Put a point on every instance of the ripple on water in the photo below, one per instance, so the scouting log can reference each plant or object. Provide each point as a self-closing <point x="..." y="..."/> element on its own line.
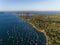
<point x="14" y="31"/>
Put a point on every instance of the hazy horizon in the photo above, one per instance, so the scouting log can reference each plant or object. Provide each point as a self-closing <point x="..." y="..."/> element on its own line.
<point x="29" y="5"/>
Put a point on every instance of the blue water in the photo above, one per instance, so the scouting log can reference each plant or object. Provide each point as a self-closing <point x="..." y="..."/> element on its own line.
<point x="14" y="31"/>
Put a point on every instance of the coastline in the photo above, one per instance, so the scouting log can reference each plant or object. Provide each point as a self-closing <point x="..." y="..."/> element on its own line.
<point x="48" y="25"/>
<point x="40" y="31"/>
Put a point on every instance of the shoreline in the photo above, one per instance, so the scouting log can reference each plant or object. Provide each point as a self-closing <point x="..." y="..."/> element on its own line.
<point x="40" y="31"/>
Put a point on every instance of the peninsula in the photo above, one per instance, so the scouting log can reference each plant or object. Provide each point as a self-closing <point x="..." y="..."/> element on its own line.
<point x="49" y="24"/>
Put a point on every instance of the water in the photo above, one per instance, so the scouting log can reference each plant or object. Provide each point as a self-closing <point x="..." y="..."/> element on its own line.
<point x="14" y="31"/>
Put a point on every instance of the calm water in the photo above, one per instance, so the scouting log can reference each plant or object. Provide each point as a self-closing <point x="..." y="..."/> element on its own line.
<point x="14" y="31"/>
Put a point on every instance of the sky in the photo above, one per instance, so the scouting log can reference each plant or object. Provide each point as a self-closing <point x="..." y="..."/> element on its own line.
<point x="29" y="5"/>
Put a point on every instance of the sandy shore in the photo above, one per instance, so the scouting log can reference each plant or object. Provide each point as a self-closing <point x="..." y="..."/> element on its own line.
<point x="43" y="31"/>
